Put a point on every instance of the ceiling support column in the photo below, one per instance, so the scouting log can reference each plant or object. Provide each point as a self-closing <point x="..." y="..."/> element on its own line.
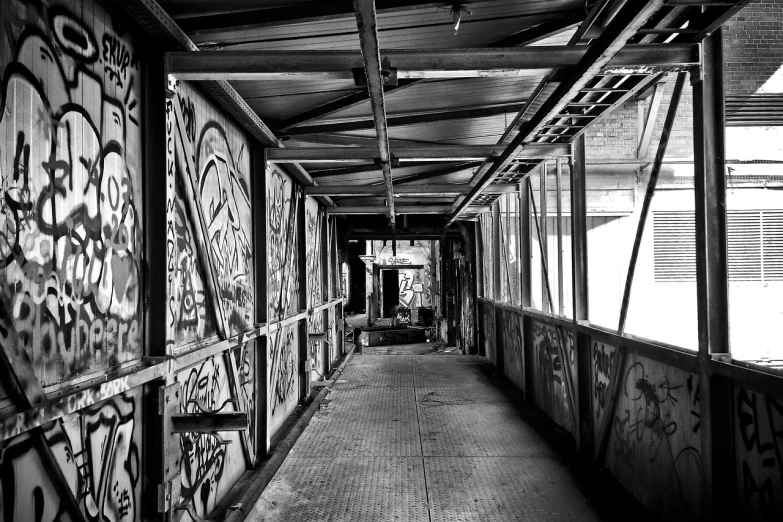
<point x="368" y="37"/>
<point x="717" y="455"/>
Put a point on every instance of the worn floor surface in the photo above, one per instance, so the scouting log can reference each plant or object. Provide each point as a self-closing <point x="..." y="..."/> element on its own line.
<point x="421" y="438"/>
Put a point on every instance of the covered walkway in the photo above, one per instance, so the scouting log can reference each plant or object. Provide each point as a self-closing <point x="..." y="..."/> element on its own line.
<point x="423" y="437"/>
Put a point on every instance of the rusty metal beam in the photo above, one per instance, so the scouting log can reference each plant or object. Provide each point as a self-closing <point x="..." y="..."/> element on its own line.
<point x="625" y="24"/>
<point x="368" y="38"/>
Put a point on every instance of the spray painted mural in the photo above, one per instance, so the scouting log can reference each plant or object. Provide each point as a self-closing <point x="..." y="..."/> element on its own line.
<point x="99" y="453"/>
<point x="283" y="288"/>
<point x="283" y="291"/>
<point x="210" y="466"/>
<point x="654" y="443"/>
<point x="759" y="447"/>
<point x="554" y="363"/>
<point x="209" y="220"/>
<point x="413" y="264"/>
<point x="315" y="281"/>
<point x="283" y="364"/>
<point x="511" y="329"/>
<point x="210" y="284"/>
<point x="70" y="179"/>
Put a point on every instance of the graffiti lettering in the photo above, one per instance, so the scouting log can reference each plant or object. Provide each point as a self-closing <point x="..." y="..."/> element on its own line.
<point x="98" y="452"/>
<point x="117" y="57"/>
<point x="603" y="359"/>
<point x="70" y="233"/>
<point x="760" y="426"/>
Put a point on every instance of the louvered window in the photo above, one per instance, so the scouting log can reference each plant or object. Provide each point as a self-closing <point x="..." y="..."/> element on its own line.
<point x="754" y="241"/>
<point x="674" y="245"/>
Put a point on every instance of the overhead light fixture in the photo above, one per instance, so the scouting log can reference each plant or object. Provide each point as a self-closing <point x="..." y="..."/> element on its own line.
<point x="456" y="14"/>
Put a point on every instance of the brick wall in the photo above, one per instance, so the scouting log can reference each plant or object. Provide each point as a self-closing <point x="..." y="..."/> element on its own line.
<point x="617" y="137"/>
<point x="753" y="53"/>
<point x="753" y="48"/>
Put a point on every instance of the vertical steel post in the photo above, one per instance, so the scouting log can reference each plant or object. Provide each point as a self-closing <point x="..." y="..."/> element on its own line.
<point x="524" y="243"/>
<point x="579" y="231"/>
<point x="261" y="258"/>
<point x="301" y="265"/>
<point x="559" y="225"/>
<point x="544" y="248"/>
<point x="718" y="464"/>
<point x="579" y="292"/>
<point x="155" y="284"/>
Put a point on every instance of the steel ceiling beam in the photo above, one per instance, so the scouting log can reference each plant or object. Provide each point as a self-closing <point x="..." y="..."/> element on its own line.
<point x="356" y="98"/>
<point x="410" y="209"/>
<point x="208" y="23"/>
<point x="624" y="25"/>
<point x="424" y="153"/>
<point x="406" y="190"/>
<point x="541" y="31"/>
<point x="151" y="16"/>
<point x="409" y="119"/>
<point x="413" y="64"/>
<point x="367" y="24"/>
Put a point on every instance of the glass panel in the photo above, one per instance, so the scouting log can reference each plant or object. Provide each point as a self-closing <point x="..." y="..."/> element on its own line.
<point x="663" y="299"/>
<point x="505" y="254"/>
<point x="754" y="202"/>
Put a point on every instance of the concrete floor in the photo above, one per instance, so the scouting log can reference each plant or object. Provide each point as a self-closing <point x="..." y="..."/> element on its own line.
<point x="421" y="438"/>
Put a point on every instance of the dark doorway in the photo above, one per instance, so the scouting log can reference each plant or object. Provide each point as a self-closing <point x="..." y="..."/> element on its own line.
<point x="391" y="290"/>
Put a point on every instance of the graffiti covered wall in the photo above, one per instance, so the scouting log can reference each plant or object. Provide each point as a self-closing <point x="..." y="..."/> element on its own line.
<point x="209" y="468"/>
<point x="283" y="288"/>
<point x="315" y="281"/>
<point x="415" y="283"/>
<point x="554" y="363"/>
<point x="283" y="364"/>
<point x="208" y="161"/>
<point x="210" y="283"/>
<point x="759" y="449"/>
<point x="283" y="200"/>
<point x="99" y="453"/>
<point x="70" y="248"/>
<point x="487" y="331"/>
<point x="513" y="346"/>
<point x="654" y="447"/>
<point x="70" y="188"/>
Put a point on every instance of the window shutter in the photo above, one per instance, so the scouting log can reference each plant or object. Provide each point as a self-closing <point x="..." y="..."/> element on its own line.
<point x="674" y="246"/>
<point x="754" y="243"/>
<point x="744" y="245"/>
<point x="773" y="245"/>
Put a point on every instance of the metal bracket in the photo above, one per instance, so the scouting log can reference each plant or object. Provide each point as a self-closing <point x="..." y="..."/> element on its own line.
<point x="319" y="337"/>
<point x="168" y="407"/>
<point x="209" y="422"/>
